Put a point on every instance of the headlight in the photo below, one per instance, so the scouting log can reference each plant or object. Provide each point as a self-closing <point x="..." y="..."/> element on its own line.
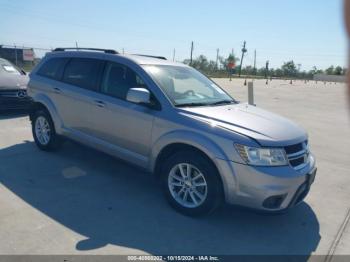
<point x="262" y="156"/>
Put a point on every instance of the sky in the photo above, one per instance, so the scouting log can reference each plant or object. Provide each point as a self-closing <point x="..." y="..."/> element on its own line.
<point x="309" y="32"/>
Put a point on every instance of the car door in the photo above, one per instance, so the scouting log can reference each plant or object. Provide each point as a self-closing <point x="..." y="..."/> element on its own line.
<point x="125" y="125"/>
<point x="75" y="94"/>
<point x="50" y="74"/>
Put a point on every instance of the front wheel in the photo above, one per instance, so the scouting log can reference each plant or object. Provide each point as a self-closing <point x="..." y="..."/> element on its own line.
<point x="191" y="183"/>
<point x="44" y="132"/>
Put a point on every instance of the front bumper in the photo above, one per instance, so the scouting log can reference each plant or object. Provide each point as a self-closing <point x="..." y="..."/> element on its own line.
<point x="14" y="99"/>
<point x="266" y="188"/>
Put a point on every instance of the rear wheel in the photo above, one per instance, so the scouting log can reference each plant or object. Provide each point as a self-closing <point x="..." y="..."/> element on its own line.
<point x="44" y="132"/>
<point x="191" y="183"/>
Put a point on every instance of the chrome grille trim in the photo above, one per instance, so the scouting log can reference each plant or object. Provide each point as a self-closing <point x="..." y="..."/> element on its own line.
<point x="297" y="155"/>
<point x="302" y="155"/>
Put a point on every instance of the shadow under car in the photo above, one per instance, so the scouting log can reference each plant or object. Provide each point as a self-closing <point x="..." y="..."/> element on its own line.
<point x="111" y="202"/>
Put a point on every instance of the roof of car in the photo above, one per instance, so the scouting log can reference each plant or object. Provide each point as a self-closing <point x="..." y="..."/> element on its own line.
<point x="138" y="59"/>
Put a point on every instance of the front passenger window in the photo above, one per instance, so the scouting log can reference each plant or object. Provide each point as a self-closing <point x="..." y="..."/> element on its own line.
<point x="118" y="79"/>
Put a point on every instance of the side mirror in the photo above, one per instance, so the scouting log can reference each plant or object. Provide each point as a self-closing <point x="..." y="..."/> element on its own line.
<point x="23" y="72"/>
<point x="139" y="96"/>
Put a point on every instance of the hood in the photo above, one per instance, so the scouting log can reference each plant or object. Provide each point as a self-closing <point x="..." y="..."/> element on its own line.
<point x="267" y="128"/>
<point x="12" y="81"/>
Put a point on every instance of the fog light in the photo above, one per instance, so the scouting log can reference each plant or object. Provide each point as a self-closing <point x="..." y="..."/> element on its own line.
<point x="274" y="201"/>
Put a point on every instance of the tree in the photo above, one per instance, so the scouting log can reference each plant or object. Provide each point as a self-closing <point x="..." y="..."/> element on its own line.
<point x="338" y="70"/>
<point x="261" y="71"/>
<point x="212" y="66"/>
<point x="231" y="58"/>
<point x="313" y="71"/>
<point x="330" y="70"/>
<point x="200" y="63"/>
<point x="248" y="70"/>
<point x="278" y="72"/>
<point x="289" y="68"/>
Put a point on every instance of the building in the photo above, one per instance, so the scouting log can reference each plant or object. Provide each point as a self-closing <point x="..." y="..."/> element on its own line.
<point x="21" y="57"/>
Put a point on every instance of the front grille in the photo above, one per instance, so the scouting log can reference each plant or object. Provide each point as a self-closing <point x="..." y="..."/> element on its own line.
<point x="293" y="148"/>
<point x="298" y="154"/>
<point x="297" y="161"/>
<point x="16" y="93"/>
<point x="9" y="93"/>
<point x="11" y="99"/>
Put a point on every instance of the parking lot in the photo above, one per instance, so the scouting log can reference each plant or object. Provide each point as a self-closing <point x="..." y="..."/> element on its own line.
<point x="80" y="201"/>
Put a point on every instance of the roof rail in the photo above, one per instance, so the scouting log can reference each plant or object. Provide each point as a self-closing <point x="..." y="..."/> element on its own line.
<point x="108" y="51"/>
<point x="152" y="56"/>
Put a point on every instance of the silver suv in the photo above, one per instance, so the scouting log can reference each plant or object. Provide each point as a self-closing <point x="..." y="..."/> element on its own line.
<point x="204" y="146"/>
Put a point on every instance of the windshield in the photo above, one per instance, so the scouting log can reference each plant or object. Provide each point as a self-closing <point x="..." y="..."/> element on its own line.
<point x="185" y="86"/>
<point x="10" y="69"/>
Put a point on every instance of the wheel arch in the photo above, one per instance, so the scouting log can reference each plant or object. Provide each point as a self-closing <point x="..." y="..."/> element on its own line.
<point x="170" y="149"/>
<point x="184" y="138"/>
<point x="42" y="101"/>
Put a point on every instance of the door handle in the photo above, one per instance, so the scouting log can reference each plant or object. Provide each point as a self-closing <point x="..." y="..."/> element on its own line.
<point x="99" y="103"/>
<point x="57" y="90"/>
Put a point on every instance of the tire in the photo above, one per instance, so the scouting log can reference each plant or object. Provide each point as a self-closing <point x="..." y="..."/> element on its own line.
<point x="41" y="120"/>
<point x="202" y="172"/>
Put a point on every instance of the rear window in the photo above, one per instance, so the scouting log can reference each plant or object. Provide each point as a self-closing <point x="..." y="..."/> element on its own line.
<point x="83" y="72"/>
<point x="53" y="68"/>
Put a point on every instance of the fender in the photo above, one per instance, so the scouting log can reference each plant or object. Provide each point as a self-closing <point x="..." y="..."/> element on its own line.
<point x="47" y="102"/>
<point x="203" y="143"/>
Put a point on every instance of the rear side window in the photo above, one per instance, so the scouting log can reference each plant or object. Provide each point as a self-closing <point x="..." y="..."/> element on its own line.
<point x="53" y="68"/>
<point x="83" y="72"/>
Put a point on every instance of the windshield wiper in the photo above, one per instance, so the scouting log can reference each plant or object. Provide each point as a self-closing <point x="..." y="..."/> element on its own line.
<point x="222" y="102"/>
<point x="192" y="104"/>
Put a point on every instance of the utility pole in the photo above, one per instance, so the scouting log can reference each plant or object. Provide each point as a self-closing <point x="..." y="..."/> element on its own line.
<point x="217" y="59"/>
<point x="243" y="51"/>
<point x="76" y="44"/>
<point x="16" y="54"/>
<point x="191" y="53"/>
<point x="123" y="51"/>
<point x="267" y="68"/>
<point x="255" y="62"/>
<point x="174" y="55"/>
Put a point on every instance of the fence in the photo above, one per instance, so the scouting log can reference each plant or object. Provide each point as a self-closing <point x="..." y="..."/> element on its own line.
<point x="330" y="78"/>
